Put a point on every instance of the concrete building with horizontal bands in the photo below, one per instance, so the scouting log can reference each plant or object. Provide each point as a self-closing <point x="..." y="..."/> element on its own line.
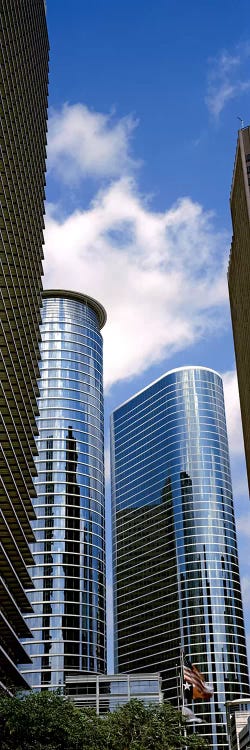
<point x="239" y="278"/>
<point x="244" y="737"/>
<point x="23" y="128"/>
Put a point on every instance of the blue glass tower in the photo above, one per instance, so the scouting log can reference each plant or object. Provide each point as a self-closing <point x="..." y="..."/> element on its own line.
<point x="68" y="624"/>
<point x="176" y="574"/>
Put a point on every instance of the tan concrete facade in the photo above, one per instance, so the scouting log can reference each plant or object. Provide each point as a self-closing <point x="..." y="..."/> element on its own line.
<point x="23" y="127"/>
<point x="239" y="278"/>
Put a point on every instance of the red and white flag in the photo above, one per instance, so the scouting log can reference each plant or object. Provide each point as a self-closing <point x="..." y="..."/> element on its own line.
<point x="201" y="690"/>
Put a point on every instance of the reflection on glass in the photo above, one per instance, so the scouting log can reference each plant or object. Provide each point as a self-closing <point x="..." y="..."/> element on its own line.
<point x="68" y="623"/>
<point x="145" y="583"/>
<point x="176" y="572"/>
<point x="71" y="558"/>
<point x="48" y="565"/>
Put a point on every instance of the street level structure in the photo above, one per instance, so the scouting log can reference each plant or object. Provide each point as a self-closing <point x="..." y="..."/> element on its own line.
<point x="244" y="736"/>
<point x="238" y="714"/>
<point x="105" y="693"/>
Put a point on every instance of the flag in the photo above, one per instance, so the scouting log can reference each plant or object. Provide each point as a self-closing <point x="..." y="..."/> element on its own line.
<point x="190" y="716"/>
<point x="194" y="684"/>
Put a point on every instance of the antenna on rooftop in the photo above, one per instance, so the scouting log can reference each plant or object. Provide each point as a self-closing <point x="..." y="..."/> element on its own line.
<point x="242" y="121"/>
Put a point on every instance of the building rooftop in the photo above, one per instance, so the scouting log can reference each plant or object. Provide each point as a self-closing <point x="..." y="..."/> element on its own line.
<point x="169" y="372"/>
<point x="78" y="297"/>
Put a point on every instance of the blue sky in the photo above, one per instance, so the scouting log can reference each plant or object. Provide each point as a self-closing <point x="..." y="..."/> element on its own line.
<point x="144" y="101"/>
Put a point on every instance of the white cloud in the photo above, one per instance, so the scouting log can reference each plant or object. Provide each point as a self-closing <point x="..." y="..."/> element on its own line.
<point x="228" y="77"/>
<point x="243" y="524"/>
<point x="107" y="463"/>
<point x="239" y="477"/>
<point x="248" y="646"/>
<point x="245" y="588"/>
<point x="83" y="143"/>
<point x="232" y="405"/>
<point x="161" y="276"/>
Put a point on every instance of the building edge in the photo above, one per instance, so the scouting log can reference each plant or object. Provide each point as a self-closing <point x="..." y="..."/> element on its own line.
<point x="165" y="375"/>
<point x="96" y="306"/>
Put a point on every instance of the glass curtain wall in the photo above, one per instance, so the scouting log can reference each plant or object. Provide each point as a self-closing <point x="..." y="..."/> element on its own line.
<point x="68" y="624"/>
<point x="176" y="574"/>
<point x="109" y="692"/>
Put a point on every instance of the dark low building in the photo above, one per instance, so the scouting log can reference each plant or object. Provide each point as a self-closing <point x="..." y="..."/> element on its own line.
<point x="244" y="736"/>
<point x="238" y="713"/>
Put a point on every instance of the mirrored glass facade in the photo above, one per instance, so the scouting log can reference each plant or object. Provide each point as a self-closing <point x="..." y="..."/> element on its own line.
<point x="176" y="574"/>
<point x="68" y="624"/>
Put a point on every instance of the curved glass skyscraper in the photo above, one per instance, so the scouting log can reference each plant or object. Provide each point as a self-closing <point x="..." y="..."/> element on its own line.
<point x="176" y="574"/>
<point x="68" y="624"/>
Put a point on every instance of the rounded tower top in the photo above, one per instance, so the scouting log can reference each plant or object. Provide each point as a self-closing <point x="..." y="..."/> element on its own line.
<point x="184" y="368"/>
<point x="78" y="297"/>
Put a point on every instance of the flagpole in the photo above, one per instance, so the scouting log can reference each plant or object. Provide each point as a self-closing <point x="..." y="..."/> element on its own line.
<point x="182" y="675"/>
<point x="177" y="685"/>
<point x="182" y="687"/>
